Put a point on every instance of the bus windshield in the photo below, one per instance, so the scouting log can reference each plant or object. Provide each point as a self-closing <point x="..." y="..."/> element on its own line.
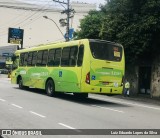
<point x="106" y="51"/>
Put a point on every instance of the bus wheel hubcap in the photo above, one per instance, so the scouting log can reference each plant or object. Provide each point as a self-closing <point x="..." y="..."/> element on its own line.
<point x="50" y="88"/>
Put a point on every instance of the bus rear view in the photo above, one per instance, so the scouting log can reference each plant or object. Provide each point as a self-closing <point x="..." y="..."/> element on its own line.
<point x="106" y="71"/>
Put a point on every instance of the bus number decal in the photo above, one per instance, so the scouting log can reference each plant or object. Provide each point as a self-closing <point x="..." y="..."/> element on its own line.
<point x="117" y="54"/>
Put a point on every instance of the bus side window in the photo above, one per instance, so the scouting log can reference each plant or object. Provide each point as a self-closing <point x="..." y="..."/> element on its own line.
<point x="39" y="58"/>
<point x="29" y="62"/>
<point x="21" y="62"/>
<point x="45" y="57"/>
<point x="80" y="56"/>
<point x="25" y="59"/>
<point x="34" y="59"/>
<point x="73" y="56"/>
<point x="65" y="56"/>
<point x="57" y="57"/>
<point x="51" y="57"/>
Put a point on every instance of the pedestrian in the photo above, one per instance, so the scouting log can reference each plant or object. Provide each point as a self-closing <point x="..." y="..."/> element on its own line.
<point x="126" y="88"/>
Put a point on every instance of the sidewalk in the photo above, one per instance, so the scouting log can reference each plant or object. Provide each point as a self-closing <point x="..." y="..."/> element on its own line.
<point x="4" y="77"/>
<point x="140" y="98"/>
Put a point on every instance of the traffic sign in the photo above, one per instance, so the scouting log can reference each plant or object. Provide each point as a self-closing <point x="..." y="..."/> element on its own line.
<point x="71" y="31"/>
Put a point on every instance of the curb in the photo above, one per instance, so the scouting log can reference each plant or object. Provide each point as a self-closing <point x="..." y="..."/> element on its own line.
<point x="141" y="98"/>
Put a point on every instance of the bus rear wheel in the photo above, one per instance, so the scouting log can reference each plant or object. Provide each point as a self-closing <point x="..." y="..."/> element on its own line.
<point x="50" y="88"/>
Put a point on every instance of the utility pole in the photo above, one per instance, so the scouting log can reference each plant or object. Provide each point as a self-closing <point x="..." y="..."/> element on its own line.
<point x="68" y="12"/>
<point x="68" y="16"/>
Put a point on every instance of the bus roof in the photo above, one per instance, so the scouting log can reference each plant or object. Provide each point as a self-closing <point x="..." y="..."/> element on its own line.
<point x="61" y="44"/>
<point x="105" y="41"/>
<point x="50" y="45"/>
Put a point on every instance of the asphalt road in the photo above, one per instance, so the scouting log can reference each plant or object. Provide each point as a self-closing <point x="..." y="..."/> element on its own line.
<point x="33" y="109"/>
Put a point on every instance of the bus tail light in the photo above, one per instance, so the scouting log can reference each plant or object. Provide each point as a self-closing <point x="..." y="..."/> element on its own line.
<point x="88" y="78"/>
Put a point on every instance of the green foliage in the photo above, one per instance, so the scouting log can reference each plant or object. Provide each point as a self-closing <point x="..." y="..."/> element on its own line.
<point x="133" y="23"/>
<point x="91" y="25"/>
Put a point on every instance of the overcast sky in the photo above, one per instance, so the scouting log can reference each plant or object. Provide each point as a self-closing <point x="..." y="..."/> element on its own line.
<point x="91" y="1"/>
<point x="97" y="2"/>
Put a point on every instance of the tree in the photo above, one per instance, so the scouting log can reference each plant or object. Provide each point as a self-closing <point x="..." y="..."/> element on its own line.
<point x="133" y="23"/>
<point x="90" y="26"/>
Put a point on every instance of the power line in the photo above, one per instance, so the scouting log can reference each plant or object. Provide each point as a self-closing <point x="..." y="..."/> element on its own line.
<point x="54" y="23"/>
<point x="43" y="9"/>
<point x="31" y="15"/>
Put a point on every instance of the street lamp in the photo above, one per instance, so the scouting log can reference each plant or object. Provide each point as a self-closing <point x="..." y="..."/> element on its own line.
<point x="46" y="17"/>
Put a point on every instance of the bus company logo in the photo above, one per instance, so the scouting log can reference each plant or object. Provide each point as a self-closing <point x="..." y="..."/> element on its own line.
<point x="35" y="74"/>
<point x="22" y="72"/>
<point x="6" y="132"/>
<point x="41" y="74"/>
<point x="116" y="73"/>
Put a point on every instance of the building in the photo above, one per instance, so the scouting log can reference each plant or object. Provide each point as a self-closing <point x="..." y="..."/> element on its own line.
<point x="38" y="30"/>
<point x="155" y="77"/>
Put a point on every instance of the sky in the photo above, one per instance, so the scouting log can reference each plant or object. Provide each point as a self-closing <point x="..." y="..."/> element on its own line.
<point x="91" y="1"/>
<point x="97" y="2"/>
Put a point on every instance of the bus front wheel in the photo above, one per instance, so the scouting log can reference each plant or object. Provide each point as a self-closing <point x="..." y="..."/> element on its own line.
<point x="20" y="82"/>
<point x="50" y="88"/>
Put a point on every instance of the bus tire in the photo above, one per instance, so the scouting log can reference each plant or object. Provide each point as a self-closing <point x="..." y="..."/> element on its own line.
<point x="50" y="88"/>
<point x="20" y="83"/>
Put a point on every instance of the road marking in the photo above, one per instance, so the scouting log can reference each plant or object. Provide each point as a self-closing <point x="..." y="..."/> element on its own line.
<point x="2" y="100"/>
<point x="107" y="108"/>
<point x="37" y="114"/>
<point x="140" y="105"/>
<point x="17" y="106"/>
<point x="66" y="126"/>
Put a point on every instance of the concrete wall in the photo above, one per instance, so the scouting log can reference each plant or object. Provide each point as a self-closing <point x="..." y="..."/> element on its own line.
<point x="132" y="76"/>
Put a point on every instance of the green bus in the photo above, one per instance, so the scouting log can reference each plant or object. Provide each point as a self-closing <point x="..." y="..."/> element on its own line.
<point x="79" y="67"/>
